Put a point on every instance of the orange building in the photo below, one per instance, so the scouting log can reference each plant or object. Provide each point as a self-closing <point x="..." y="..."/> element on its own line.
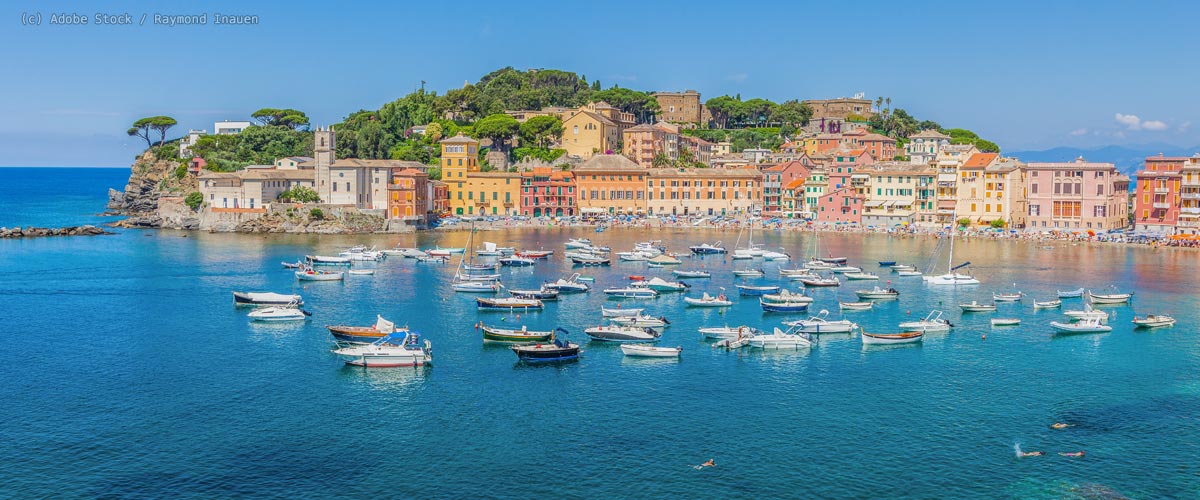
<point x="408" y="196"/>
<point x="611" y="184"/>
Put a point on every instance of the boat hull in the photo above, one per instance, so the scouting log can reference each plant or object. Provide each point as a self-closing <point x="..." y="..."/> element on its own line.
<point x="641" y="351"/>
<point x="265" y="299"/>
<point x="892" y="338"/>
<point x="501" y="335"/>
<point x="545" y="353"/>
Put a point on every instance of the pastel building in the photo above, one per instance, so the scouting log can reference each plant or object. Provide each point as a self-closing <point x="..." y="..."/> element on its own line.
<point x="703" y="191"/>
<point x="924" y="146"/>
<point x="1189" y="198"/>
<point x="1075" y="196"/>
<point x="349" y="181"/>
<point x="898" y="194"/>
<point x="460" y="157"/>
<point x="611" y="184"/>
<point x="1159" y="190"/>
<point x="408" y="197"/>
<point x="548" y="191"/>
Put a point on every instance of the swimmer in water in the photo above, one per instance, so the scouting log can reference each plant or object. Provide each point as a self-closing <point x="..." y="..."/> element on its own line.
<point x="1079" y="453"/>
<point x="1059" y="425"/>
<point x="709" y="463"/>
<point x="1033" y="453"/>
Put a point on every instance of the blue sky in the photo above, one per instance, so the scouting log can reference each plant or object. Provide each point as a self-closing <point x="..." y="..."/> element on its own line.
<point x="1029" y="75"/>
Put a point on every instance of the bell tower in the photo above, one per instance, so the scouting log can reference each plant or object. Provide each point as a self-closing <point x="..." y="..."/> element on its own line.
<point x="323" y="154"/>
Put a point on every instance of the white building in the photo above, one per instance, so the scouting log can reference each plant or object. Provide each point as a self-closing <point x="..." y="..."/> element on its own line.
<point x="351" y="181"/>
<point x="189" y="140"/>
<point x="230" y="127"/>
<point x="925" y="145"/>
<point x="250" y="190"/>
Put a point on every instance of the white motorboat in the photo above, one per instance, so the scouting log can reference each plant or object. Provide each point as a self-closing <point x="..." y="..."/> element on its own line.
<point x="1087" y="313"/>
<point x="475" y="286"/>
<point x="749" y="251"/>
<point x="308" y="273"/>
<point x="387" y="352"/>
<point x="749" y="273"/>
<point x="1050" y="304"/>
<point x="892" y="338"/>
<point x="362" y="254"/>
<point x="788" y="296"/>
<point x="1149" y="321"/>
<point x="614" y="333"/>
<point x="861" y="276"/>
<point x="630" y="292"/>
<point x="661" y="285"/>
<point x="412" y="253"/>
<point x="708" y="301"/>
<point x="272" y="314"/>
<point x="804" y="276"/>
<point x="508" y="304"/>
<point x="265" y="299"/>
<point x="777" y="256"/>
<point x="908" y="273"/>
<point x="821" y="282"/>
<point x="846" y="269"/>
<point x="785" y="272"/>
<point x="397" y="252"/>
<point x="1007" y="297"/>
<point x="1091" y="325"/>
<point x="707" y="249"/>
<point x="569" y="284"/>
<point x="578" y="243"/>
<point x="645" y="351"/>
<point x="477" y="277"/>
<point x="932" y="322"/>
<point x="903" y="267"/>
<point x="683" y="273"/>
<point x="822" y="324"/>
<point x="1111" y="298"/>
<point x="818" y="265"/>
<point x="1072" y="294"/>
<point x="633" y="256"/>
<point x="757" y="290"/>
<point x="779" y="339"/>
<point x="641" y="321"/>
<point x="620" y="313"/>
<point x="977" y="307"/>
<point x="855" y="306"/>
<point x="319" y="260"/>
<point x="728" y="332"/>
<point x="361" y="272"/>
<point x="489" y="250"/>
<point x="431" y="259"/>
<point x="878" y="293"/>
<point x="1005" y="321"/>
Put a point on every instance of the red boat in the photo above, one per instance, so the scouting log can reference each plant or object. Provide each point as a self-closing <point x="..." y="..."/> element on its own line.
<point x="636" y="277"/>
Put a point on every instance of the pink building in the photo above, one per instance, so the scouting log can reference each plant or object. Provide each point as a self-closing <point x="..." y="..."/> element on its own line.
<point x="843" y="205"/>
<point x="1076" y="196"/>
<point x="1159" y="190"/>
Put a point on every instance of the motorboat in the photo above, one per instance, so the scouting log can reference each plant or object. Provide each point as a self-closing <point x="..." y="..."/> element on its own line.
<point x="388" y="352"/>
<point x="557" y="350"/>
<point x="1006" y="321"/>
<point x="908" y="273"/>
<point x="515" y="261"/>
<point x="855" y="306"/>
<point x="476" y="277"/>
<point x="707" y="249"/>
<point x="475" y="286"/>
<point x="788" y="296"/>
<point x="977" y="307"/>
<point x="661" y="285"/>
<point x="749" y="273"/>
<point x="887" y="263"/>
<point x="785" y="272"/>
<point x="804" y="276"/>
<point x="632" y="257"/>
<point x="822" y="324"/>
<point x="578" y="243"/>
<point x="1149" y="321"/>
<point x="1007" y="297"/>
<point x="861" y="276"/>
<point x="1111" y="298"/>
<point x="279" y="314"/>
<point x="640" y="321"/>
<point x="684" y="273"/>
<point x="630" y="292"/>
<point x="654" y="265"/>
<point x="1072" y="294"/>
<point x="707" y="300"/>
<point x="489" y="250"/>
<point x="327" y="260"/>
<point x="361" y="272"/>
<point x="364" y="334"/>
<point x="932" y="322"/>
<point x="728" y="332"/>
<point x="1050" y="304"/>
<point x="846" y="269"/>
<point x="493" y="334"/>
<point x="878" y="293"/>
<point x="292" y="265"/>
<point x="310" y="274"/>
<point x="620" y="313"/>
<point x="665" y="260"/>
<point x="646" y="351"/>
<point x="265" y="299"/>
<point x="779" y="339"/>
<point x="432" y="259"/>
<point x="733" y="343"/>
<point x="397" y="252"/>
<point x="479" y="268"/>
<point x="615" y="333"/>
<point x="507" y="303"/>
<point x="1087" y="313"/>
<point x="778" y="256"/>
<point x="902" y="267"/>
<point x="534" y="254"/>
<point x="591" y="261"/>
<point x="892" y="338"/>
<point x="569" y="284"/>
<point x="412" y="253"/>
<point x="821" y="282"/>
<point x="1090" y="325"/>
<point x="542" y="294"/>
<point x="817" y="265"/>
<point x="757" y="290"/>
<point x="360" y="254"/>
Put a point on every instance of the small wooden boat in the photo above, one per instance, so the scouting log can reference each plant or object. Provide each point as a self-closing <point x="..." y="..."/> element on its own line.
<point x="1006" y="321"/>
<point x="822" y="324"/>
<point x="756" y="290"/>
<point x="265" y="299"/>
<point x="855" y="306"/>
<point x="1071" y="294"/>
<point x="388" y="352"/>
<point x="613" y="333"/>
<point x="645" y="351"/>
<point x="493" y="334"/>
<point x="364" y="334"/>
<point x="1111" y="298"/>
<point x="1092" y="325"/>
<point x="508" y="303"/>
<point x="559" y="349"/>
<point x="977" y="307"/>
<point x="630" y="292"/>
<point x="892" y="338"/>
<point x="861" y="276"/>
<point x="708" y="301"/>
<point x="821" y="282"/>
<point x="707" y="249"/>
<point x="279" y="314"/>
<point x="878" y="293"/>
<point x="1149" y="321"/>
<point x="361" y="272"/>
<point x="683" y="273"/>
<point x="327" y="260"/>
<point x="542" y="294"/>
<point x="310" y="274"/>
<point x="1050" y="304"/>
<point x="779" y="339"/>
<point x="932" y="322"/>
<point x="749" y="273"/>
<point x="1007" y="297"/>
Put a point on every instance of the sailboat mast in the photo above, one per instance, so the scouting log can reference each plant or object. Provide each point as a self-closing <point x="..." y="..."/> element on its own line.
<point x="950" y="263"/>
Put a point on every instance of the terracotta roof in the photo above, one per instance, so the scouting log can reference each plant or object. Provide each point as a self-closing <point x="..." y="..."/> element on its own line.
<point x="408" y="172"/>
<point x="642" y="128"/>
<point x="980" y="160"/>
<point x="796" y="183"/>
<point x="705" y="172"/>
<point x="608" y="162"/>
<point x="459" y="139"/>
<point x="877" y="137"/>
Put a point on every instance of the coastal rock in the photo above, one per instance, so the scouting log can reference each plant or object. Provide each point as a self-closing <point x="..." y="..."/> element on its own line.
<point x="116" y="199"/>
<point x="150" y="180"/>
<point x="38" y="232"/>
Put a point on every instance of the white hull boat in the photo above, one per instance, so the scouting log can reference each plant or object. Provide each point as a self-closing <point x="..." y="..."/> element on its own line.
<point x="932" y="322"/>
<point x="661" y="285"/>
<point x="475" y="287"/>
<point x="855" y="306"/>
<point x="1007" y="297"/>
<point x="1073" y="294"/>
<point x="265" y="299"/>
<point x="1084" y="326"/>
<point x="909" y="273"/>
<point x="728" y="332"/>
<point x="388" y="352"/>
<point x="691" y="274"/>
<point x="327" y="260"/>
<point x="621" y="334"/>
<point x="1153" y="321"/>
<point x="892" y="338"/>
<point x="1112" y="298"/>
<point x="631" y="293"/>
<point x="821" y="324"/>
<point x="781" y="340"/>
<point x="977" y="307"/>
<point x="708" y="301"/>
<point x="645" y="351"/>
<point x="656" y="324"/>
<point x="314" y="275"/>
<point x="821" y="282"/>
<point x="861" y="276"/>
<point x="1051" y="304"/>
<point x="620" y="313"/>
<point x="749" y="273"/>
<point x="951" y="279"/>
<point x="1006" y="321"/>
<point x="273" y="314"/>
<point x="878" y="293"/>
<point x="361" y="272"/>
<point x="846" y="269"/>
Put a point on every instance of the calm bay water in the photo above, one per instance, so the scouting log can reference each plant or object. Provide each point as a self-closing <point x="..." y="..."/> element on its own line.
<point x="127" y="372"/>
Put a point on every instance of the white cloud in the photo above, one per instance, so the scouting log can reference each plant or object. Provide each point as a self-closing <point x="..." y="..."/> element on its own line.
<point x="1078" y="132"/>
<point x="1154" y="125"/>
<point x="1132" y="122"/>
<point x="1183" y="127"/>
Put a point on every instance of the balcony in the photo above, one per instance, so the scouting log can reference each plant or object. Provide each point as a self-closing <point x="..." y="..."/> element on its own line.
<point x="1190" y="196"/>
<point x="1161" y="190"/>
<point x="1163" y="206"/>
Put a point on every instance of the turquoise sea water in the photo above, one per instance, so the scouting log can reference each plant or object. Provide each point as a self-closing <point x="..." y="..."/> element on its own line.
<point x="127" y="372"/>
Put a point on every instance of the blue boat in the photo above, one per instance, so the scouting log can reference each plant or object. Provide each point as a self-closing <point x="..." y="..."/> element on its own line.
<point x="886" y="263"/>
<point x="783" y="306"/>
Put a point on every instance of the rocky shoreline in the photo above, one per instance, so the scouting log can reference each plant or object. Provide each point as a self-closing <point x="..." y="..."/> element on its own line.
<point x="41" y="232"/>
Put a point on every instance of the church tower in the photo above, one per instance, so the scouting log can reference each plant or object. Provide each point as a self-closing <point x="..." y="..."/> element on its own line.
<point x="323" y="154"/>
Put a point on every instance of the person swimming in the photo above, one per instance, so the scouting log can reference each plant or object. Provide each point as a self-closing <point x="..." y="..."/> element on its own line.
<point x="1079" y="453"/>
<point x="1032" y="453"/>
<point x="1059" y="425"/>
<point x="710" y="463"/>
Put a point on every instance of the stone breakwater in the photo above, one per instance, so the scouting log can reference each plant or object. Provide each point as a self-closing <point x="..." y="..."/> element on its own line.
<point x="39" y="232"/>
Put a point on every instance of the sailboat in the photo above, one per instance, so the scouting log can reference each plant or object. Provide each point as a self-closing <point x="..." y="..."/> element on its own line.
<point x="463" y="282"/>
<point x="751" y="250"/>
<point x="952" y="278"/>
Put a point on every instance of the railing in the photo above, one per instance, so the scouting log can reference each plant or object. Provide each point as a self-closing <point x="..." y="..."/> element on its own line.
<point x="1161" y="190"/>
<point x="1190" y="196"/>
<point x="1162" y="205"/>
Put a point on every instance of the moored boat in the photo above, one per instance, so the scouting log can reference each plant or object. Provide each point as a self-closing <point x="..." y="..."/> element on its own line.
<point x="932" y="322"/>
<point x="559" y="349"/>
<point x="1007" y="297"/>
<point x="646" y="351"/>
<point x="279" y="314"/>
<point x="707" y="249"/>
<point x="569" y="284"/>
<point x="683" y="273"/>
<point x="614" y="333"/>
<point x="631" y="292"/>
<point x="265" y="299"/>
<point x="757" y="290"/>
<point x="591" y="261"/>
<point x="1006" y="321"/>
<point x="1110" y="298"/>
<point x="977" y="307"/>
<point x="327" y="260"/>
<point x="1071" y="294"/>
<point x="779" y="339"/>
<point x="728" y="332"/>
<point x="1050" y="304"/>
<point x="493" y="334"/>
<point x="878" y="293"/>
<point x="821" y="282"/>
<point x="887" y="263"/>
<point x="515" y="261"/>
<point x="508" y="303"/>
<point x="308" y="273"/>
<point x="475" y="286"/>
<point x="861" y="276"/>
<point x="1090" y="325"/>
<point x="822" y="324"/>
<point x="361" y="272"/>
<point x="749" y="273"/>
<point x="640" y="321"/>
<point x="364" y="334"/>
<point x="620" y="313"/>
<point x="892" y="338"/>
<point x="707" y="300"/>
<point x="1153" y="321"/>
<point x="855" y="306"/>
<point x="660" y="285"/>
<point x="388" y="352"/>
<point x="542" y="294"/>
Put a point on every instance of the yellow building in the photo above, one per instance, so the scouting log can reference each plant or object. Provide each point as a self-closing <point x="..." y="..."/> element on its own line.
<point x="587" y="132"/>
<point x="460" y="156"/>
<point x="991" y="188"/>
<point x="492" y="193"/>
<point x="809" y="144"/>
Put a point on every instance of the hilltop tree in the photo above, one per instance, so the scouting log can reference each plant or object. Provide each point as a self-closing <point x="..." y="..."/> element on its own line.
<point x="723" y="109"/>
<point x="541" y="131"/>
<point x="499" y="128"/>
<point x="144" y="126"/>
<point x="289" y="118"/>
<point x="791" y="112"/>
<point x="643" y="105"/>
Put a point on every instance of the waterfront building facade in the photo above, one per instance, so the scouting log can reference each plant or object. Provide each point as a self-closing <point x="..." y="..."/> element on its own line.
<point x="408" y="197"/>
<point x="460" y="158"/>
<point x="1075" y="196"/>
<point x="548" y="191"/>
<point x="703" y="191"/>
<point x="1189" y="197"/>
<point x="611" y="184"/>
<point x="1159" y="190"/>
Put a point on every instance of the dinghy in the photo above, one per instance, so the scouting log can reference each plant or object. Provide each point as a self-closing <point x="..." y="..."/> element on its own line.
<point x="1006" y="321"/>
<point x="855" y="306"/>
<point x="278" y="314"/>
<point x="708" y="301"/>
<point x="892" y="338"/>
<point x="977" y="307"/>
<point x="361" y="272"/>
<point x="645" y="351"/>
<point x="1150" y="321"/>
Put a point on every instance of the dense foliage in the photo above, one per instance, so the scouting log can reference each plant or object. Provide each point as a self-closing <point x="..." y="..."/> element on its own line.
<point x="257" y="145"/>
<point x="300" y="194"/>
